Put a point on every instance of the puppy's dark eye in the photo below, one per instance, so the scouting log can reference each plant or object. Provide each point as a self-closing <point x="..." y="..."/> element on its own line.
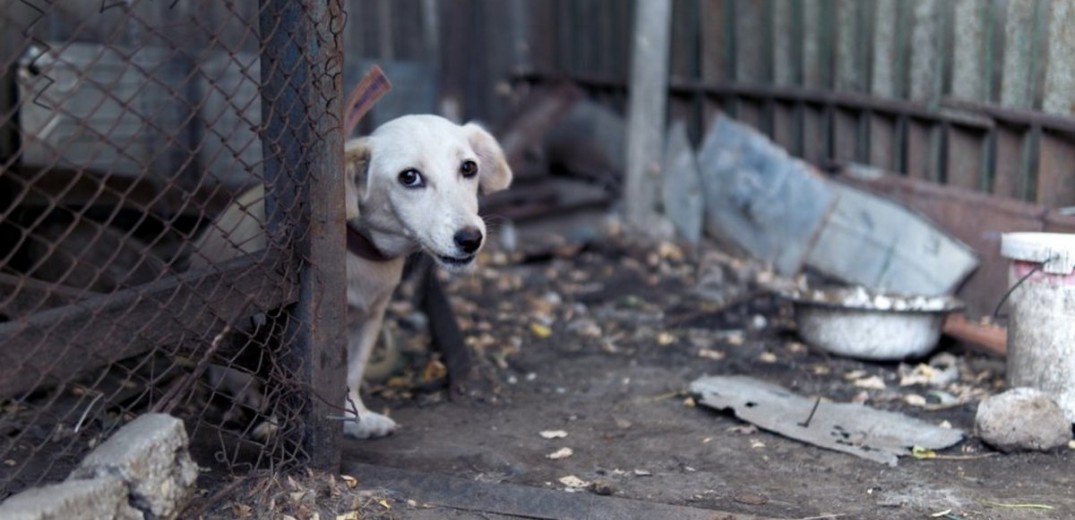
<point x="469" y="168"/>
<point x="411" y="178"/>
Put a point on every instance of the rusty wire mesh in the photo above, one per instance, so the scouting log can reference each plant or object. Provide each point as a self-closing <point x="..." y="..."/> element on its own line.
<point x="127" y="128"/>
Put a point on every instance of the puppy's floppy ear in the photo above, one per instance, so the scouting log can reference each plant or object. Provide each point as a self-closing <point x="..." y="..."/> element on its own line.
<point x="356" y="164"/>
<point x="494" y="174"/>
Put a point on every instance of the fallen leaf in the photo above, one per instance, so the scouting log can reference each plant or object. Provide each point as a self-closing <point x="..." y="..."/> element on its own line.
<point x="241" y="510"/>
<point x="914" y="400"/>
<point x="296" y="496"/>
<point x="541" y="331"/>
<point x="574" y="482"/>
<point x="767" y="357"/>
<point x="561" y="453"/>
<point x="384" y="503"/>
<point x="553" y="434"/>
<point x="715" y="355"/>
<point x="349" y="480"/>
<point x="665" y="338"/>
<point x="642" y="473"/>
<point x="353" y="515"/>
<point x="871" y="383"/>
<point x="921" y="453"/>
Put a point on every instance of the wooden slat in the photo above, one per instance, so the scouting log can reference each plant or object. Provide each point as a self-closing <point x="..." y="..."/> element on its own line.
<point x="924" y="140"/>
<point x="850" y="76"/>
<point x="751" y="59"/>
<point x="966" y="150"/>
<point x="785" y="69"/>
<point x="55" y="346"/>
<point x="1056" y="164"/>
<point x="715" y="52"/>
<point x="884" y="151"/>
<point x="815" y="75"/>
<point x="1015" y="146"/>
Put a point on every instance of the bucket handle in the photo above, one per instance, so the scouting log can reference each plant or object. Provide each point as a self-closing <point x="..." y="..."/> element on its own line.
<point x="1004" y="298"/>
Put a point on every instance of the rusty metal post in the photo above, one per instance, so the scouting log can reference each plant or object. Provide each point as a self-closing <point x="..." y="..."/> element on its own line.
<point x="301" y="74"/>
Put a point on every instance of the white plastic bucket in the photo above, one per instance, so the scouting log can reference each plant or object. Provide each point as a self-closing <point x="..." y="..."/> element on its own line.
<point x="1041" y="327"/>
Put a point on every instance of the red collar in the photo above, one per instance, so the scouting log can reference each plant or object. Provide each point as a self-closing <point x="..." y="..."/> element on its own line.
<point x="359" y="245"/>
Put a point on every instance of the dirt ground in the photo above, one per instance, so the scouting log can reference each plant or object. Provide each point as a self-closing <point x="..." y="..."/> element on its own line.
<point x="600" y="342"/>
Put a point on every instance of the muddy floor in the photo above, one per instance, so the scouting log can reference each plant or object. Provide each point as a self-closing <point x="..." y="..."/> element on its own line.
<point x="595" y="345"/>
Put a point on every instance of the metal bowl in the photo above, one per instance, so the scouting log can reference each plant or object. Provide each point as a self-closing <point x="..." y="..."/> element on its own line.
<point x="863" y="324"/>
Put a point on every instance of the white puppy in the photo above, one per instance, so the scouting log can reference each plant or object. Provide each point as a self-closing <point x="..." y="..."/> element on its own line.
<point x="411" y="185"/>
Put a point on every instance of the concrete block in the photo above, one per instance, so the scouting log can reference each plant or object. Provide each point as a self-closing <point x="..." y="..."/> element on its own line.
<point x="99" y="498"/>
<point x="151" y="455"/>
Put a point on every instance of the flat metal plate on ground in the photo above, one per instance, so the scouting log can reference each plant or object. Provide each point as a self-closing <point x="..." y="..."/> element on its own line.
<point x="872" y="434"/>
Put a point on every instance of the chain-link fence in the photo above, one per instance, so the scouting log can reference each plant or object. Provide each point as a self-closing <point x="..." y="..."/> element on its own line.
<point x="127" y="129"/>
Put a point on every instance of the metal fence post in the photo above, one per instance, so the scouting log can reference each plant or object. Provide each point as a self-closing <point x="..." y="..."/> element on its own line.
<point x="301" y="78"/>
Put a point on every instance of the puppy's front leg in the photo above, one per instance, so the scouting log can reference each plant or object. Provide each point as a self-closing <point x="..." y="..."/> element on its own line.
<point x="361" y="337"/>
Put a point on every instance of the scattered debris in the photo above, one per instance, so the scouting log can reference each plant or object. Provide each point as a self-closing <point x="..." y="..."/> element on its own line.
<point x="872" y="434"/>
<point x="553" y="434"/>
<point x="573" y="482"/>
<point x="561" y="453"/>
<point x="1022" y="419"/>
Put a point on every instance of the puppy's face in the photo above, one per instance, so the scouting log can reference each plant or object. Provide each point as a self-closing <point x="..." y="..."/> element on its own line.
<point x="414" y="183"/>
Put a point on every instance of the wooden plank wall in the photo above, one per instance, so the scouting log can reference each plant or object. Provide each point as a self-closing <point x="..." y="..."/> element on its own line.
<point x="934" y="89"/>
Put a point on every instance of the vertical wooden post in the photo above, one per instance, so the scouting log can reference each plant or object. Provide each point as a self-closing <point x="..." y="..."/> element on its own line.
<point x="646" y="109"/>
<point x="301" y="75"/>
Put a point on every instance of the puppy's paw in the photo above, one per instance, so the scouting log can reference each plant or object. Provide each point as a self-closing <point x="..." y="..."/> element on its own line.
<point x="369" y="425"/>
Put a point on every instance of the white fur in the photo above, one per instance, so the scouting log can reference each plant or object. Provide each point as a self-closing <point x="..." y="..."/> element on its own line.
<point x="397" y="220"/>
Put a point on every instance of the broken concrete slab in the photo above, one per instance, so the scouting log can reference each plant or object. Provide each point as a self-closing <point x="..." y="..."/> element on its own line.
<point x="872" y="434"/>
<point x="104" y="497"/>
<point x="873" y="241"/>
<point x="760" y="198"/>
<point x="150" y="454"/>
<point x="682" y="184"/>
<point x="1022" y="419"/>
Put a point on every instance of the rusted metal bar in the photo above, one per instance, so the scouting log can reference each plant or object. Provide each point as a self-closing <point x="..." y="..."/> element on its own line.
<point x="302" y="90"/>
<point x="56" y="345"/>
<point x="970" y="114"/>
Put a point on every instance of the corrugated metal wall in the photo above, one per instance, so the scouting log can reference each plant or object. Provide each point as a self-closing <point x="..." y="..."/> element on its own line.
<point x="972" y="93"/>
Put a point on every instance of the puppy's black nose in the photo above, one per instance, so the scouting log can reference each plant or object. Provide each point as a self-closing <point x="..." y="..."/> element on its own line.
<point x="468" y="239"/>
